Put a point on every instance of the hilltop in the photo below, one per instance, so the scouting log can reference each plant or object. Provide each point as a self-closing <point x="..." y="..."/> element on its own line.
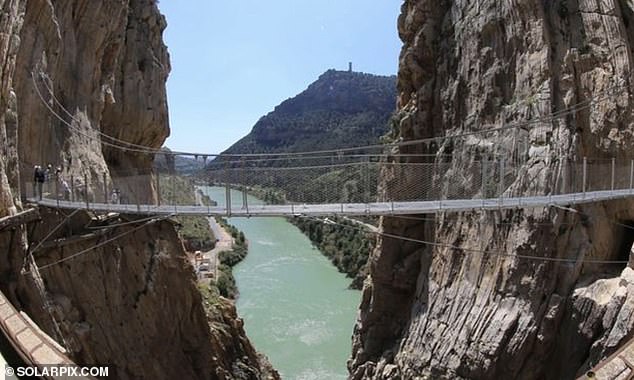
<point x="339" y="108"/>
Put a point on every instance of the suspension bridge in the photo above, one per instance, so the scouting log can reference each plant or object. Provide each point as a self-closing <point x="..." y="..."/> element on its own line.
<point x="502" y="166"/>
<point x="353" y="189"/>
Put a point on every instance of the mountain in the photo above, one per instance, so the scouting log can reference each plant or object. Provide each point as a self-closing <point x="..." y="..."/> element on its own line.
<point x="339" y="109"/>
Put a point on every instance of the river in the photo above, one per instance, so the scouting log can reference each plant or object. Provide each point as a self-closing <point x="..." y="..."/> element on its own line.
<point x="296" y="307"/>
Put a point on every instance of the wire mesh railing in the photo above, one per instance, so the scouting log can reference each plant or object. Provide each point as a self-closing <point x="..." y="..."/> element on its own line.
<point x="361" y="182"/>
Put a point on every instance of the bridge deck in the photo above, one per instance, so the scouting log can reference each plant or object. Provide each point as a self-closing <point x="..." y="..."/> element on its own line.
<point x="379" y="208"/>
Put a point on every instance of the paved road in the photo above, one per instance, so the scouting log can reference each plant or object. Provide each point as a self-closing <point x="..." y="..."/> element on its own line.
<point x="224" y="242"/>
<point x="367" y="226"/>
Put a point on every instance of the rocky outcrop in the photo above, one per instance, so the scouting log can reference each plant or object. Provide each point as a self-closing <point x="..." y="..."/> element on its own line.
<point x="470" y="308"/>
<point x="78" y="78"/>
<point x="92" y="79"/>
<point x="134" y="303"/>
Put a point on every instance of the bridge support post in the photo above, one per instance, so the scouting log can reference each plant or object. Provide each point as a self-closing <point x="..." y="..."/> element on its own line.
<point x="484" y="179"/>
<point x="631" y="174"/>
<point x="72" y="188"/>
<point x="501" y="179"/>
<point x="227" y="189"/>
<point x="86" y="191"/>
<point x="57" y="178"/>
<point x="245" y="205"/>
<point x="158" y="188"/>
<point x="105" y="188"/>
<point x="174" y="189"/>
<point x="228" y="198"/>
<point x="585" y="175"/>
<point x="613" y="171"/>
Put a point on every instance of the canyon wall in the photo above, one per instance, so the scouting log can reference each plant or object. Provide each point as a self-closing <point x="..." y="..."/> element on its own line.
<point x="78" y="78"/>
<point x="91" y="78"/>
<point x="469" y="307"/>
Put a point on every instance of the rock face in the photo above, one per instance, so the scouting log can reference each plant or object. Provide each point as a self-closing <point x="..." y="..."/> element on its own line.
<point x="450" y="313"/>
<point x="88" y="69"/>
<point x="134" y="303"/>
<point x="77" y="78"/>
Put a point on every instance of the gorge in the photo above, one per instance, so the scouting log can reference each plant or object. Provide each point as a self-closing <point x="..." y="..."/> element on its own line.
<point x="82" y="87"/>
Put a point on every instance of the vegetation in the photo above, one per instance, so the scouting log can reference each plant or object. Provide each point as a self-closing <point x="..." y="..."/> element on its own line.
<point x="226" y="283"/>
<point x="194" y="231"/>
<point x="344" y="243"/>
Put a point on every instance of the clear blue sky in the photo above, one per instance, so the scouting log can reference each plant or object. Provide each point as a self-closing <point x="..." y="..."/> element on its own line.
<point x="234" y="61"/>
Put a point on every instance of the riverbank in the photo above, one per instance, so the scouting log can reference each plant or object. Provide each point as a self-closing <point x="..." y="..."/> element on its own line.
<point x="227" y="259"/>
<point x="346" y="242"/>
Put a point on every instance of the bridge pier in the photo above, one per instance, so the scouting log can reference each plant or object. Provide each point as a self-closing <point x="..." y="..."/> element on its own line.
<point x="228" y="199"/>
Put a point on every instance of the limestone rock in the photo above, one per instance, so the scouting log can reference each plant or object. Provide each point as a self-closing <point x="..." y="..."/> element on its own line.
<point x="92" y="75"/>
<point x="134" y="304"/>
<point x="449" y="313"/>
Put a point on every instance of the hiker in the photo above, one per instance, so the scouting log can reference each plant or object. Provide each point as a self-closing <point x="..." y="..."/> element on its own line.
<point x="48" y="173"/>
<point x="114" y="197"/>
<point x="65" y="189"/>
<point x="38" y="181"/>
<point x="63" y="185"/>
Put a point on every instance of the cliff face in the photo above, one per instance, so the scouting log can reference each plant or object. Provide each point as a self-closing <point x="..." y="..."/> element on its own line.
<point x="86" y="68"/>
<point x="129" y="298"/>
<point x="134" y="303"/>
<point x="451" y="313"/>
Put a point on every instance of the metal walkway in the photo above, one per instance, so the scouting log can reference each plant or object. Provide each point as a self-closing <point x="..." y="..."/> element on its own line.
<point x="379" y="208"/>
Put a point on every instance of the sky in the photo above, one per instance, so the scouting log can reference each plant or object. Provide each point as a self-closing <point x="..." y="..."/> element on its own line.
<point x="234" y="61"/>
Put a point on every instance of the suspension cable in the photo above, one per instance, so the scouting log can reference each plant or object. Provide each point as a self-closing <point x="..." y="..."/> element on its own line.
<point x="473" y="250"/>
<point x="106" y="242"/>
<point x="607" y="94"/>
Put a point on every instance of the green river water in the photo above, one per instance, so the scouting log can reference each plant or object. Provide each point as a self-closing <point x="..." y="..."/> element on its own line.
<point x="296" y="307"/>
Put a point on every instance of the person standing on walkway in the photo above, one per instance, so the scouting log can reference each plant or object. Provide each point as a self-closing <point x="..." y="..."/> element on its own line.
<point x="63" y="185"/>
<point x="35" y="171"/>
<point x="114" y="197"/>
<point x="38" y="178"/>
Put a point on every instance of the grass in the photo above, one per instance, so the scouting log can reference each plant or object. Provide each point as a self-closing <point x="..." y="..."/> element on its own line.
<point x="194" y="231"/>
